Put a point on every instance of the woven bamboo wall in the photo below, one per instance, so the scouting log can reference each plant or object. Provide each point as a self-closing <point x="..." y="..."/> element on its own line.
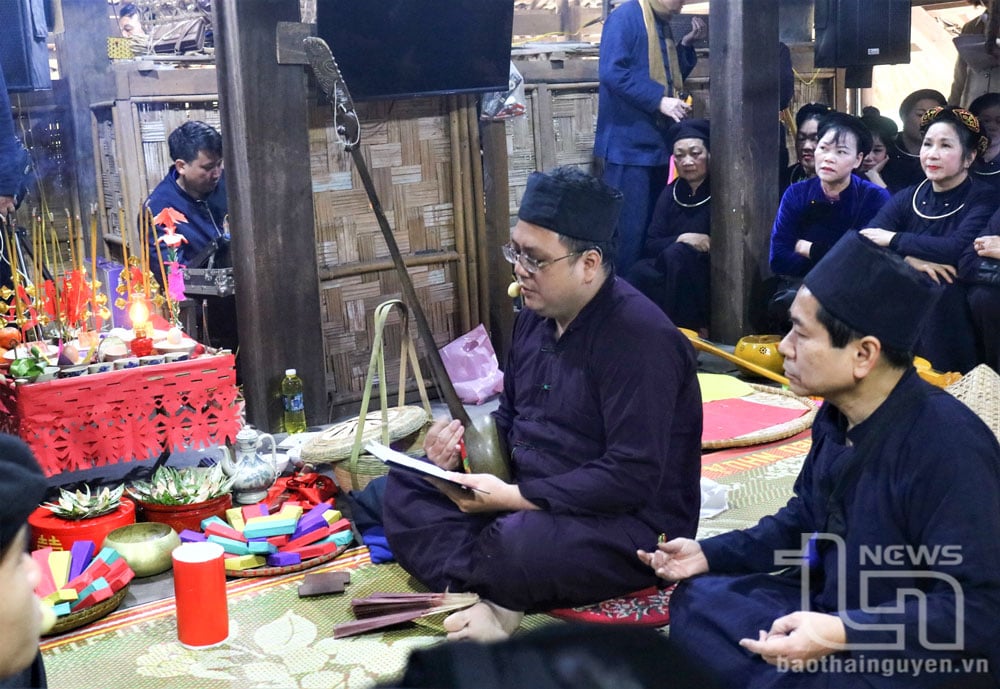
<point x="534" y="143"/>
<point x="409" y="150"/>
<point x="149" y="124"/>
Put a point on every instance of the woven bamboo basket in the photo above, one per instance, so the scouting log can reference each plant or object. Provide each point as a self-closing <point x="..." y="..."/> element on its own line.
<point x="979" y="390"/>
<point x="778" y="397"/>
<point x="402" y="426"/>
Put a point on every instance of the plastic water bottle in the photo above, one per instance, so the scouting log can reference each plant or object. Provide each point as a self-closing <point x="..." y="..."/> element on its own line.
<point x="294" y="416"/>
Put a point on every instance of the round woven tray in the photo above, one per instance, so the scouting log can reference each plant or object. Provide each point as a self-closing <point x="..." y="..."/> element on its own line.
<point x="777" y="397"/>
<point x="979" y="390"/>
<point x="77" y="619"/>
<point x="336" y="442"/>
<point x="287" y="569"/>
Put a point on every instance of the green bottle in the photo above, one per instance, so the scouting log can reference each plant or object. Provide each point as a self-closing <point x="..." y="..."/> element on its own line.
<point x="294" y="416"/>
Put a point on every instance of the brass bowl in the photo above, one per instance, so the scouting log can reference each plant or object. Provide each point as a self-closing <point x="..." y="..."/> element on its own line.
<point x="145" y="546"/>
<point x="761" y="350"/>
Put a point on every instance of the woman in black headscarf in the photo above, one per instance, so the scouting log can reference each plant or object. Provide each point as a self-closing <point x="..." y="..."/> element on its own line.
<point x="674" y="268"/>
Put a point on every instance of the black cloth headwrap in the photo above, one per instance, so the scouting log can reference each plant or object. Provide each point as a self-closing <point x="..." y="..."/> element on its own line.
<point x="691" y="129"/>
<point x="22" y="487"/>
<point x="581" y="211"/>
<point x="873" y="291"/>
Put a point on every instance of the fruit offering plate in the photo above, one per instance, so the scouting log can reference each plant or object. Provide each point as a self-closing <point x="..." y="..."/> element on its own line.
<point x="287" y="569"/>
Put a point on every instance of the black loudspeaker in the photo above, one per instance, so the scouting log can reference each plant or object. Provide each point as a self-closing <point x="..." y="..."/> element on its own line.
<point x="862" y="32"/>
<point x="24" y="55"/>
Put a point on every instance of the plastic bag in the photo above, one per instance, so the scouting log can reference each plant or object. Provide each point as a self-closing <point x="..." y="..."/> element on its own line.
<point x="503" y="105"/>
<point x="472" y="366"/>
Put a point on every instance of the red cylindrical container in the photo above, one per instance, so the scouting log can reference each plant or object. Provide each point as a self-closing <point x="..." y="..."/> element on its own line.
<point x="48" y="530"/>
<point x="200" y="592"/>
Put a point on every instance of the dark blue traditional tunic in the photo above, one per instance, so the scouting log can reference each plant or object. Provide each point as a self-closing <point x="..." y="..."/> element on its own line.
<point x="604" y="427"/>
<point x="981" y="276"/>
<point x="921" y="517"/>
<point x="952" y="219"/>
<point x="673" y="274"/>
<point x="806" y="213"/>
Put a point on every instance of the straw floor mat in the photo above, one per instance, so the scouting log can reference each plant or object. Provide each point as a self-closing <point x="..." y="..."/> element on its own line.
<point x="277" y="640"/>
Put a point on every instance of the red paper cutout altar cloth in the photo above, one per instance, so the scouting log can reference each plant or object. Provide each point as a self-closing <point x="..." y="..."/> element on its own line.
<point x="121" y="416"/>
<point x="732" y="418"/>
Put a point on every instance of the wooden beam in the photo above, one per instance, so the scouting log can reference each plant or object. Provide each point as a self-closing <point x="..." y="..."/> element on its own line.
<point x="266" y="139"/>
<point x="744" y="111"/>
<point x="85" y="66"/>
<point x="497" y="193"/>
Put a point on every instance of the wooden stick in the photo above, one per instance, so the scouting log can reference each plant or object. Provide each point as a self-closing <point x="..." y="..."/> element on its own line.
<point x="706" y="346"/>
<point x="479" y="220"/>
<point x="458" y="216"/>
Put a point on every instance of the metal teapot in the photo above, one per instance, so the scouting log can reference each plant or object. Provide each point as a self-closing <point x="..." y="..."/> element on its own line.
<point x="254" y="472"/>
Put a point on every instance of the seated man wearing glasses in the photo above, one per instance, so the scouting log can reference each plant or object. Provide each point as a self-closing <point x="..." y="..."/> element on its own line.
<point x="602" y="413"/>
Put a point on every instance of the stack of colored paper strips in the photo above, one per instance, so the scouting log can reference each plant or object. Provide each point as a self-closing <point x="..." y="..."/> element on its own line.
<point x="386" y="609"/>
<point x="252" y="537"/>
<point x="74" y="580"/>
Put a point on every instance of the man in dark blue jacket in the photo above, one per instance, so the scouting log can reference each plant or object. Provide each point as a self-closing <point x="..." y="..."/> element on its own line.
<point x="194" y="186"/>
<point x="892" y="530"/>
<point x="641" y="76"/>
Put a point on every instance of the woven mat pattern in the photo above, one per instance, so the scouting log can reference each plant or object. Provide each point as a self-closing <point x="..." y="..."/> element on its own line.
<point x="276" y="639"/>
<point x="979" y="389"/>
<point x="756" y="493"/>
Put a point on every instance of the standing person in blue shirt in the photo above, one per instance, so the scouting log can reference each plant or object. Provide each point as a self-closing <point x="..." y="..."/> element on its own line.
<point x="195" y="186"/>
<point x="10" y="172"/>
<point x="641" y="95"/>
<point x="815" y="213"/>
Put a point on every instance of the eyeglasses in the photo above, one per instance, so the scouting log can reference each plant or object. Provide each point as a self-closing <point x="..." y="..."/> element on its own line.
<point x="530" y="265"/>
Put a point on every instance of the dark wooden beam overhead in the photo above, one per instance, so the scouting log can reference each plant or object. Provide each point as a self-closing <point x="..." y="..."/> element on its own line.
<point x="266" y="138"/>
<point x="744" y="168"/>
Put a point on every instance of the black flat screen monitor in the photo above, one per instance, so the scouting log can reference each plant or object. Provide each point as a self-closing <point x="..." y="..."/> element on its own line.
<point x="398" y="48"/>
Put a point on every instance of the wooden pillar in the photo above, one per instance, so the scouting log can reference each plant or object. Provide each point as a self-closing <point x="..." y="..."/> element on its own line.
<point x="266" y="143"/>
<point x="744" y="115"/>
<point x="501" y="312"/>
<point x="85" y="67"/>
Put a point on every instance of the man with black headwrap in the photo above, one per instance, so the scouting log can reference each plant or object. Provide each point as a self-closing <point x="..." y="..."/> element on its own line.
<point x="601" y="410"/>
<point x="892" y="532"/>
<point x="22" y="487"/>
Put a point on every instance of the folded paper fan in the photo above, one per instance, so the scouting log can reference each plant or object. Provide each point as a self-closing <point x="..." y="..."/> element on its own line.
<point x="387" y="609"/>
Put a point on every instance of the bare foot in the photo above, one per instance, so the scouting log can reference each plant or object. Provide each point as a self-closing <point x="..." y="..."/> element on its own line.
<point x="484" y="621"/>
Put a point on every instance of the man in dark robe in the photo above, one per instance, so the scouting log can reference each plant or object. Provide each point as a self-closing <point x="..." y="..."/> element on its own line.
<point x="602" y="413"/>
<point x="893" y="526"/>
<point x="22" y="488"/>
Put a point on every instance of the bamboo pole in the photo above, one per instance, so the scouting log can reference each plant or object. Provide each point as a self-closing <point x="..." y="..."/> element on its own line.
<point x="468" y="208"/>
<point x="458" y="215"/>
<point x="486" y="262"/>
